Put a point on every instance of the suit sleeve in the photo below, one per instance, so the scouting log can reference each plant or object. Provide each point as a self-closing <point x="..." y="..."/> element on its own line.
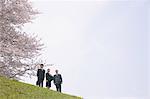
<point x="61" y="78"/>
<point x="44" y="73"/>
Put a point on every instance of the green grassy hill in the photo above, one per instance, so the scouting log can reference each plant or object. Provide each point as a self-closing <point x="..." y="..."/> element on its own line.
<point x="11" y="89"/>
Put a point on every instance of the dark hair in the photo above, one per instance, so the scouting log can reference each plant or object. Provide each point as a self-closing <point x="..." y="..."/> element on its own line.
<point x="42" y="64"/>
<point x="56" y="70"/>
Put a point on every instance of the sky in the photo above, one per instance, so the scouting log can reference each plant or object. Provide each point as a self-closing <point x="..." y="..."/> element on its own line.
<point x="99" y="46"/>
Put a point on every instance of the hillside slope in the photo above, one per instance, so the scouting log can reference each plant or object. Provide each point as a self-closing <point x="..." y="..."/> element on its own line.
<point x="11" y="89"/>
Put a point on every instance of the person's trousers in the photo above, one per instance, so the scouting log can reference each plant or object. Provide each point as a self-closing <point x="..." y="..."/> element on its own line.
<point x="39" y="83"/>
<point x="58" y="87"/>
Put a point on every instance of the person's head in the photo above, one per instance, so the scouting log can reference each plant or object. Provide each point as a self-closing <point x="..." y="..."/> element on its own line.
<point x="48" y="70"/>
<point x="56" y="71"/>
<point x="41" y="65"/>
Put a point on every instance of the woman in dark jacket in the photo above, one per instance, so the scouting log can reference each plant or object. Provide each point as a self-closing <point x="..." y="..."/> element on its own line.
<point x="49" y="78"/>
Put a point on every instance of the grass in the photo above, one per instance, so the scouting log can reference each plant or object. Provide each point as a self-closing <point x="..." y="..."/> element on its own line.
<point x="12" y="89"/>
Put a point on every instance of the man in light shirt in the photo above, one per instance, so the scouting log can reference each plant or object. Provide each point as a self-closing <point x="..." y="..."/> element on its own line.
<point x="58" y="81"/>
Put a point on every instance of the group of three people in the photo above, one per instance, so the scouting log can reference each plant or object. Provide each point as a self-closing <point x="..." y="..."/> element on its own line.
<point x="57" y="78"/>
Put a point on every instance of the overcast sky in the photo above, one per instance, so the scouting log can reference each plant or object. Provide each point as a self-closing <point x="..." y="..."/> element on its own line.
<point x="99" y="46"/>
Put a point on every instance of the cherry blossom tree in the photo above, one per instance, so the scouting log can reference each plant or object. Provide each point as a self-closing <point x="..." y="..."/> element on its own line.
<point x="18" y="49"/>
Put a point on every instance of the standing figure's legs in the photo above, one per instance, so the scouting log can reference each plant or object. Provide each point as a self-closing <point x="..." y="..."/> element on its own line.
<point x="41" y="83"/>
<point x="57" y="87"/>
<point x="38" y="82"/>
<point x="48" y="84"/>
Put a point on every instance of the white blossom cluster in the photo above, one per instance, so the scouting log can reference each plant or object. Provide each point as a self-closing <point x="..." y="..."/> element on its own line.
<point x="17" y="48"/>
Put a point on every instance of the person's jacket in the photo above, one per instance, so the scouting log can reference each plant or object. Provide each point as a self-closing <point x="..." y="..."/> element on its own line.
<point x="49" y="77"/>
<point x="57" y="79"/>
<point x="41" y="74"/>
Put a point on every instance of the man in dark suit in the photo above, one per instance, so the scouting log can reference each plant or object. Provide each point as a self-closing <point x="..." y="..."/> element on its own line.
<point x="40" y="76"/>
<point x="58" y="81"/>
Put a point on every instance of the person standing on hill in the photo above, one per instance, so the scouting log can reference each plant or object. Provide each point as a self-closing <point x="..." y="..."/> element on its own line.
<point x="49" y="78"/>
<point x="58" y="81"/>
<point x="40" y="76"/>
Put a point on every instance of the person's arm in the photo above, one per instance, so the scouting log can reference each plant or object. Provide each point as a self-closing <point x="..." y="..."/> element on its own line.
<point x="51" y="78"/>
<point x="44" y="73"/>
<point x="46" y="77"/>
<point x="61" y="78"/>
